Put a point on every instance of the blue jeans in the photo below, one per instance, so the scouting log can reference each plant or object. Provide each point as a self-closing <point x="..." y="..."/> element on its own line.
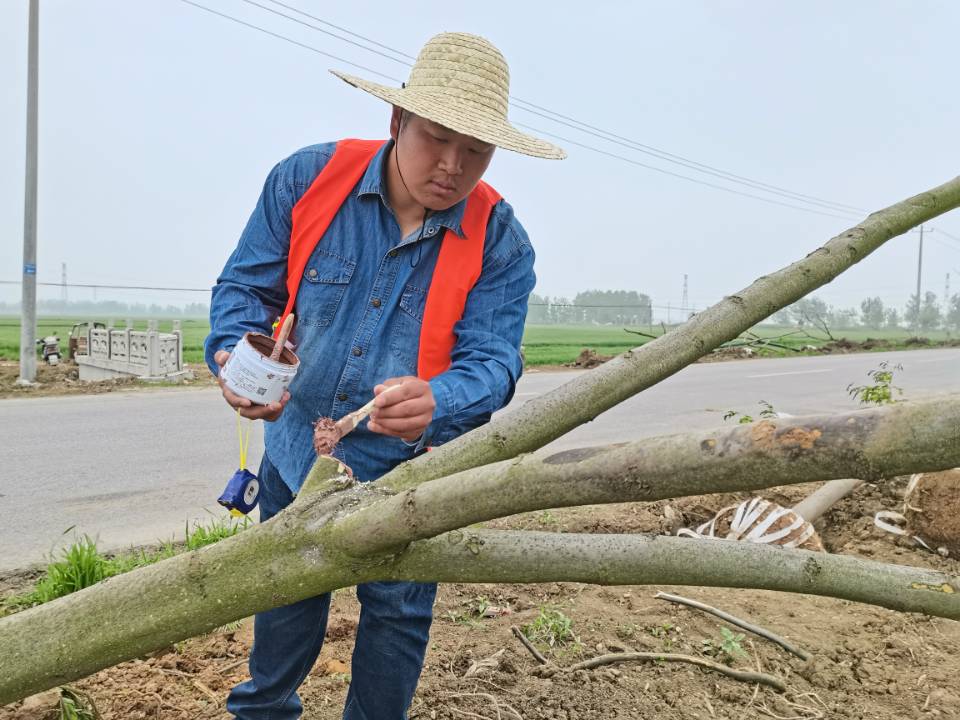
<point x="391" y="642"/>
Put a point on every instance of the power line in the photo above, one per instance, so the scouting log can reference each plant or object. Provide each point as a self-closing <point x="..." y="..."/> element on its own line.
<point x="590" y="129"/>
<point x="319" y="29"/>
<point x="944" y="232"/>
<point x="683" y="177"/>
<point x="289" y="40"/>
<point x="110" y="287"/>
<point x="597" y="132"/>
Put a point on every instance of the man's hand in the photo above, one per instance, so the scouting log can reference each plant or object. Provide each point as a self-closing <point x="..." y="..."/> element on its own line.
<point x="248" y="408"/>
<point x="404" y="412"/>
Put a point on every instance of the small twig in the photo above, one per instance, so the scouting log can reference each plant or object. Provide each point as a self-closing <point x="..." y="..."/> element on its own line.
<point x="486" y="696"/>
<point x="742" y="675"/>
<point x="179" y="673"/>
<point x="641" y="334"/>
<point x="207" y="691"/>
<point x="231" y="666"/>
<point x="528" y="645"/>
<point x="755" y="629"/>
<point x="164" y="703"/>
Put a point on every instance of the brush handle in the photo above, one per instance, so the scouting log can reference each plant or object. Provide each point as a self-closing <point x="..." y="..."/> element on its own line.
<point x="350" y="421"/>
<point x="282" y="337"/>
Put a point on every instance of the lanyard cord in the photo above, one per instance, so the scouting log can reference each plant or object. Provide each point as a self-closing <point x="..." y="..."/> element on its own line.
<point x="244" y="439"/>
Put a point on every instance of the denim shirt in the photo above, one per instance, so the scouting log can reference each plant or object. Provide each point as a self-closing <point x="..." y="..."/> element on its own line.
<point x="359" y="310"/>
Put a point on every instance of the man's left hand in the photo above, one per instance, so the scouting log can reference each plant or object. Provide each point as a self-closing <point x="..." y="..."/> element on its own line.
<point x="405" y="411"/>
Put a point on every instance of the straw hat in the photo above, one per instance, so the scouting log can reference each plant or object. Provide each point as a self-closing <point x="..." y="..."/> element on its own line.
<point x="462" y="82"/>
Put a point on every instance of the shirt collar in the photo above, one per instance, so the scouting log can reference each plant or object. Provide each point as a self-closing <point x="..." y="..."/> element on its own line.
<point x="373" y="183"/>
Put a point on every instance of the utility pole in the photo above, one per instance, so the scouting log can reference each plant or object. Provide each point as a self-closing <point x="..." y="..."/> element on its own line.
<point x="916" y="321"/>
<point x="685" y="298"/>
<point x="63" y="284"/>
<point x="28" y="301"/>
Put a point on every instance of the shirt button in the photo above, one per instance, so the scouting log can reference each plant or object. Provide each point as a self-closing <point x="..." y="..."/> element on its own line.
<point x="393" y="253"/>
<point x="357" y="352"/>
<point x="431" y="231"/>
<point x="375" y="302"/>
<point x="313" y="272"/>
<point x="342" y="397"/>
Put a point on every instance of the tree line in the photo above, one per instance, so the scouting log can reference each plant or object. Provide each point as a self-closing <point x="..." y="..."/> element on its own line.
<point x="621" y="307"/>
<point x="926" y="314"/>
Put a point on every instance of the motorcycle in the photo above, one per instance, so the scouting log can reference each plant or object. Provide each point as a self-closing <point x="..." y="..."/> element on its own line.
<point x="50" y="349"/>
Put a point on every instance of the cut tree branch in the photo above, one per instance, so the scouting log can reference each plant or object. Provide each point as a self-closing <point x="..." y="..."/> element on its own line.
<point x="295" y="555"/>
<point x="870" y="444"/>
<point x="579" y="401"/>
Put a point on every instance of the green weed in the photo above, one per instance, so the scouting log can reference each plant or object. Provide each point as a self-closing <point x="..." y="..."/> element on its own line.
<point x="551" y="628"/>
<point x="727" y="648"/>
<point x="82" y="564"/>
<point x="766" y="411"/>
<point x="471" y="615"/>
<point x="75" y="706"/>
<point x="217" y="529"/>
<point x="882" y="390"/>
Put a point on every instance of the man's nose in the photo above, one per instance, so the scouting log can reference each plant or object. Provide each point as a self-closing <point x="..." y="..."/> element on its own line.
<point x="451" y="160"/>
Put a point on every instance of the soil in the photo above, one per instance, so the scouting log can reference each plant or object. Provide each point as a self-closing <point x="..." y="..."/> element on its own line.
<point x="868" y="662"/>
<point x="932" y="510"/>
<point x="64" y="379"/>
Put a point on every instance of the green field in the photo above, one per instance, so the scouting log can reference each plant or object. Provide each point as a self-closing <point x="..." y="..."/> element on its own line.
<point x="543" y="344"/>
<point x="194" y="331"/>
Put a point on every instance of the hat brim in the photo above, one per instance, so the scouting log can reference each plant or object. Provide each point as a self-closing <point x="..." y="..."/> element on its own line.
<point x="460" y="116"/>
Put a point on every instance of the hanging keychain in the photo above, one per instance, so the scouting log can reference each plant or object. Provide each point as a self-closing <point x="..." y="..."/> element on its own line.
<point x="243" y="489"/>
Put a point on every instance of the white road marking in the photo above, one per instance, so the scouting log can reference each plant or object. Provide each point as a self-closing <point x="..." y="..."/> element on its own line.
<point x="795" y="372"/>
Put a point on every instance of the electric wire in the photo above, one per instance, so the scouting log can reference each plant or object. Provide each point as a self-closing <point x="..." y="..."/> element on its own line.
<point x="580" y="125"/>
<point x="289" y="40"/>
<point x="607" y="136"/>
<point x="684" y="177"/>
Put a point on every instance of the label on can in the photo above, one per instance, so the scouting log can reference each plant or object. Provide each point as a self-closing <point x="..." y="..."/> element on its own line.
<point x="250" y="372"/>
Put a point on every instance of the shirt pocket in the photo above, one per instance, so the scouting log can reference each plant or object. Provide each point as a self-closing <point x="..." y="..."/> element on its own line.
<point x="405" y="339"/>
<point x="325" y="280"/>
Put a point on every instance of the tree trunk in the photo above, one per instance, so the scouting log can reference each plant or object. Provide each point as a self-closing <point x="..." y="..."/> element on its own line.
<point x="581" y="400"/>
<point x="339" y="533"/>
<point x="301" y="552"/>
<point x="872" y="444"/>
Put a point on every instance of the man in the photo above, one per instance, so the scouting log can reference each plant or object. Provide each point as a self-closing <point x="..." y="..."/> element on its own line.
<point x="402" y="268"/>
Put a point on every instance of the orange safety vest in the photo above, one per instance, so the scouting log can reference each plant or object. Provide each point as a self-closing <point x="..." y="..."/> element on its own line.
<point x="458" y="265"/>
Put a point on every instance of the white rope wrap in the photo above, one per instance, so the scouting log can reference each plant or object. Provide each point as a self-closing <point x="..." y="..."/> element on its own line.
<point x="752" y="521"/>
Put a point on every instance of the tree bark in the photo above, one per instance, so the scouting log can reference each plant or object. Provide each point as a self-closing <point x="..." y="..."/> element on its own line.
<point x="312" y="547"/>
<point x="871" y="444"/>
<point x="581" y="400"/>
<point x="301" y="553"/>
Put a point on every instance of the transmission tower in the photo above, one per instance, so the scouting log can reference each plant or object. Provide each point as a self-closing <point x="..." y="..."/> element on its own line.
<point x="684" y="300"/>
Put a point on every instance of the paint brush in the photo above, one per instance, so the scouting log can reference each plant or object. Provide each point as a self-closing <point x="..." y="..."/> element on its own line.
<point x="282" y="337"/>
<point x="328" y="432"/>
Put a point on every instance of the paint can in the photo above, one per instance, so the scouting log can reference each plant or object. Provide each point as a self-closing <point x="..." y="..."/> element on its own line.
<point x="250" y="372"/>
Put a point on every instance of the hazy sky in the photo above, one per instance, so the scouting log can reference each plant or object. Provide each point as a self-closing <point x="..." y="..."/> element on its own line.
<point x="159" y="122"/>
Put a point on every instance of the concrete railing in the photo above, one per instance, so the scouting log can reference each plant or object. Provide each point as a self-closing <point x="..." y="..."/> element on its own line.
<point x="146" y="354"/>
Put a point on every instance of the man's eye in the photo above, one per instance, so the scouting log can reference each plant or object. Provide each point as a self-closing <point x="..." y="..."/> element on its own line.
<point x="439" y="139"/>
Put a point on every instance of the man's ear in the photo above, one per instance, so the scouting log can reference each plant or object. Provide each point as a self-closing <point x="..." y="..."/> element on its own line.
<point x="395" y="117"/>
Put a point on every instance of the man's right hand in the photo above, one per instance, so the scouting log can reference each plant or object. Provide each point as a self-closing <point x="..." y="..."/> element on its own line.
<point x="248" y="408"/>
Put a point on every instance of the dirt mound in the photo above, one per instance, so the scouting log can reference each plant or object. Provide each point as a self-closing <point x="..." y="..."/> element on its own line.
<point x="932" y="509"/>
<point x="588" y="358"/>
<point x="64" y="379"/>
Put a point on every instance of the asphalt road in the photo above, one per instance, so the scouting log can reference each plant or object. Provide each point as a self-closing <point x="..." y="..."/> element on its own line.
<point x="134" y="468"/>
